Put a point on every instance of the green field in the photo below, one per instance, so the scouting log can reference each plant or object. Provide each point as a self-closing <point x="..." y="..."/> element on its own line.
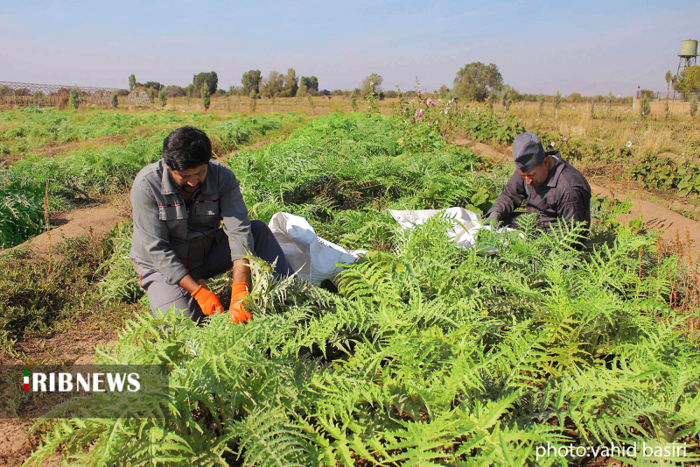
<point x="421" y="353"/>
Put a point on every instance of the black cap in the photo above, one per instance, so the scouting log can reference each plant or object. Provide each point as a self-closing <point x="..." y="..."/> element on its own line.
<point x="528" y="152"/>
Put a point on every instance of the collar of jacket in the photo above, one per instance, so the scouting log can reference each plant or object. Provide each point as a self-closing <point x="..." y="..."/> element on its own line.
<point x="167" y="186"/>
<point x="555" y="173"/>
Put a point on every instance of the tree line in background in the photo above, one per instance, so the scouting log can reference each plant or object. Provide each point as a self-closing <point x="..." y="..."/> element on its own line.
<point x="474" y="82"/>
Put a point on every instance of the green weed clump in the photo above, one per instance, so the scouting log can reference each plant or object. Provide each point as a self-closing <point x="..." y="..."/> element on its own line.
<point x="21" y="214"/>
<point x="120" y="282"/>
<point x="663" y="173"/>
<point x="586" y="151"/>
<point x="37" y="294"/>
<point x="484" y="125"/>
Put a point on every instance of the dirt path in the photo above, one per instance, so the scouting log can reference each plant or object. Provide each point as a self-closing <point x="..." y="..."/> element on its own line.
<point x="97" y="220"/>
<point x="654" y="216"/>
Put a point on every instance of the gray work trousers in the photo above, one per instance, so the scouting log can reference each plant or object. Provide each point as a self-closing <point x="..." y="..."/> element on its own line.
<point x="162" y="296"/>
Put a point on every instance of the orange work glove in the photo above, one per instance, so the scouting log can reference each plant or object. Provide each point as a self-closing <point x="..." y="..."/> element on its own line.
<point x="207" y="300"/>
<point x="239" y="291"/>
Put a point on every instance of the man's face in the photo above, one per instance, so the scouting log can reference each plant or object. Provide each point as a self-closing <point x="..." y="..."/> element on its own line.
<point x="538" y="175"/>
<point x="191" y="179"/>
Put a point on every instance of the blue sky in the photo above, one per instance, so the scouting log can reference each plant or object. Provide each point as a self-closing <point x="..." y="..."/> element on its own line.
<point x="539" y="46"/>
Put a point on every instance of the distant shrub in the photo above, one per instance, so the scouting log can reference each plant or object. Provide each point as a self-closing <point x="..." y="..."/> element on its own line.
<point x="176" y="91"/>
<point x="644" y="106"/>
<point x="74" y="100"/>
<point x="114" y="100"/>
<point x="206" y="96"/>
<point x="163" y="97"/>
<point x="253" y="100"/>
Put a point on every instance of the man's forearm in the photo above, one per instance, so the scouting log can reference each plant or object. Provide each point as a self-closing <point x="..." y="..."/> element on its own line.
<point x="241" y="272"/>
<point x="188" y="283"/>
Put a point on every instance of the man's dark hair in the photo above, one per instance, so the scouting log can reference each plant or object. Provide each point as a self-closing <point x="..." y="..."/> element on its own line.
<point x="186" y="148"/>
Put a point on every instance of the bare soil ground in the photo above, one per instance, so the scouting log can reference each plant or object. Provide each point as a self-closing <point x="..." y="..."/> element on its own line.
<point x="95" y="220"/>
<point x="15" y="447"/>
<point x="654" y="216"/>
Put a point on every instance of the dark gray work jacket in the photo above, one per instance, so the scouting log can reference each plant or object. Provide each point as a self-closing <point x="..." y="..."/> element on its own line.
<point x="171" y="237"/>
<point x="565" y="194"/>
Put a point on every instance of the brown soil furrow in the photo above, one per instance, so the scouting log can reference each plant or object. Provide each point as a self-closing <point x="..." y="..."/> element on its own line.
<point x="97" y="221"/>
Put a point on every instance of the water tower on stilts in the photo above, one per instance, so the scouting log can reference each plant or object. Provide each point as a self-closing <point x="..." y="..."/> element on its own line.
<point x="687" y="58"/>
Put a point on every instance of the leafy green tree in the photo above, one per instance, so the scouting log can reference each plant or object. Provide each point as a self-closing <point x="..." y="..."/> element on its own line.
<point x="302" y="91"/>
<point x="374" y="82"/>
<point x="311" y="84"/>
<point x="693" y="105"/>
<point x="74" y="100"/>
<point x="648" y="93"/>
<point x="253" y="100"/>
<point x="371" y="97"/>
<point x="176" y="91"/>
<point x="251" y="81"/>
<point x="476" y="81"/>
<point x="132" y="82"/>
<point x="114" y="100"/>
<point x="575" y="97"/>
<point x="163" y="97"/>
<point x="155" y="85"/>
<point x="272" y="85"/>
<point x="688" y="82"/>
<point x="206" y="96"/>
<point x="211" y="79"/>
<point x="291" y="84"/>
<point x="235" y="91"/>
<point x="556" y="101"/>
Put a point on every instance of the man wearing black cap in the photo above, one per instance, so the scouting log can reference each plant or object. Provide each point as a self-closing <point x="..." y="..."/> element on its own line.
<point x="554" y="188"/>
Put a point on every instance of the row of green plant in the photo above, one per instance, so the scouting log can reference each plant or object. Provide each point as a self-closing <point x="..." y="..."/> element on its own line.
<point x="21" y="214"/>
<point x="27" y="129"/>
<point x="87" y="173"/>
<point x="575" y="150"/>
<point x="428" y="354"/>
<point x="663" y="173"/>
<point x="343" y="172"/>
<point x="484" y="125"/>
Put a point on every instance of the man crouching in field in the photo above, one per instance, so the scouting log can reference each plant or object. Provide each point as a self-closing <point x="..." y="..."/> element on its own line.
<point x="554" y="188"/>
<point x="178" y="205"/>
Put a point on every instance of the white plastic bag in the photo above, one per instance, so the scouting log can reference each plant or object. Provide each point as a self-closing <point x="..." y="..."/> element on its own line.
<point x="463" y="230"/>
<point x="313" y="257"/>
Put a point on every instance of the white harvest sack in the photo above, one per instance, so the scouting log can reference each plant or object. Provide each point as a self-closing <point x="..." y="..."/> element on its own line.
<point x="311" y="256"/>
<point x="463" y="230"/>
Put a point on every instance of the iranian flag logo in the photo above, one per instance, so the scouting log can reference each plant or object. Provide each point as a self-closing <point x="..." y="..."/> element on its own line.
<point x="26" y="380"/>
